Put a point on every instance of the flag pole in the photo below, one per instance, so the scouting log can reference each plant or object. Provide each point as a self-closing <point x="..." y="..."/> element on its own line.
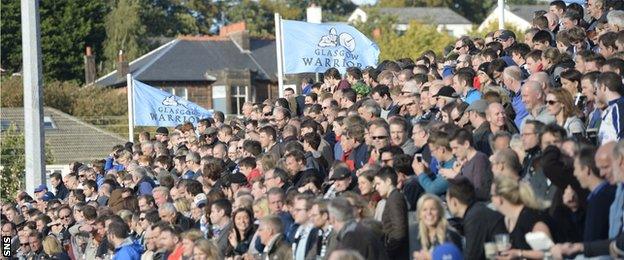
<point x="501" y="18"/>
<point x="280" y="53"/>
<point x="130" y="108"/>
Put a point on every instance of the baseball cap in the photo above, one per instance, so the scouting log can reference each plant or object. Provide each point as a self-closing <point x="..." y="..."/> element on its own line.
<point x="446" y="91"/>
<point x="340" y="173"/>
<point x="200" y="200"/>
<point x="446" y="251"/>
<point x="478" y="106"/>
<point x="41" y="188"/>
<point x="410" y="86"/>
<point x="506" y="34"/>
<point x="447" y="71"/>
<point x="162" y="130"/>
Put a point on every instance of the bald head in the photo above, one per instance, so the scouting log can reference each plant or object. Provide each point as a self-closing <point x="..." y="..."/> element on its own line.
<point x="604" y="158"/>
<point x="542" y="78"/>
<point x="495" y="114"/>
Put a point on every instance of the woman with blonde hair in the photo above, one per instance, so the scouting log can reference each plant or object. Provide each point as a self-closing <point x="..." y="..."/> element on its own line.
<point x="561" y="106"/>
<point x="53" y="249"/>
<point x="523" y="212"/>
<point x="432" y="228"/>
<point x="183" y="205"/>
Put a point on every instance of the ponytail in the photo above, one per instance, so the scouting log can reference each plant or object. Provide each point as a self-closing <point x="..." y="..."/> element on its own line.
<point x="518" y="192"/>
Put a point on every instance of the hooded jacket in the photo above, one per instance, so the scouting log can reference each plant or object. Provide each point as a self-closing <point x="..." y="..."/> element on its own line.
<point x="128" y="250"/>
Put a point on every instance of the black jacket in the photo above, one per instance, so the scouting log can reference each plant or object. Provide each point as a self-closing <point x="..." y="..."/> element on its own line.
<point x="394" y="223"/>
<point x="480" y="224"/>
<point x="61" y="191"/>
<point x="356" y="236"/>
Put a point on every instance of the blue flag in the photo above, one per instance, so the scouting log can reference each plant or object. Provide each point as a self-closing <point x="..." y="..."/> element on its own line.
<point x="154" y="107"/>
<point x="310" y="47"/>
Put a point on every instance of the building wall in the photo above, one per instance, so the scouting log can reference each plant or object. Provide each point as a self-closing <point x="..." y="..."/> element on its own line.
<point x="510" y="18"/>
<point x="455" y="30"/>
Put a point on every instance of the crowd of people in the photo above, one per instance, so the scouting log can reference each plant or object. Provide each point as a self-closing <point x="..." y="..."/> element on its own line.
<point x="493" y="150"/>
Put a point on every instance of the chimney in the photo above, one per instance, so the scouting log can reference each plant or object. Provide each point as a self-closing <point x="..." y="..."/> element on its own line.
<point x="314" y="14"/>
<point x="89" y="63"/>
<point x="122" y="66"/>
<point x="237" y="32"/>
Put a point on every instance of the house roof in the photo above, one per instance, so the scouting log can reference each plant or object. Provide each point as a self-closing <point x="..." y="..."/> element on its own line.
<point x="437" y="15"/>
<point x="526" y="11"/>
<point x="192" y="59"/>
<point x="71" y="140"/>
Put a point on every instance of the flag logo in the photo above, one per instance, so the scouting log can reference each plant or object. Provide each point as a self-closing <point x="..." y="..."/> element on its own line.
<point x="334" y="40"/>
<point x="317" y="47"/>
<point x="154" y="107"/>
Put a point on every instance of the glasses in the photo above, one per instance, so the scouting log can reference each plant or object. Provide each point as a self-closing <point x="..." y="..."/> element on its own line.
<point x="268" y="114"/>
<point x="141" y="219"/>
<point x="381" y="137"/>
<point x="64" y="217"/>
<point x="24" y="244"/>
<point x="551" y="102"/>
<point x="457" y="48"/>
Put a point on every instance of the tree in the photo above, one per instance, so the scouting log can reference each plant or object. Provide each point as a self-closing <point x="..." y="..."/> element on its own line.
<point x="12" y="173"/>
<point x="258" y="18"/>
<point x="124" y="31"/>
<point x="67" y="27"/>
<point x="417" y="39"/>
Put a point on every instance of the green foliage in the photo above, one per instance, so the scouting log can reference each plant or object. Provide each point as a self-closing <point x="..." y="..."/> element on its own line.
<point x="375" y="20"/>
<point x="92" y="104"/>
<point x="361" y="89"/>
<point x="258" y="18"/>
<point x="417" y="39"/>
<point x="67" y="27"/>
<point x="124" y="31"/>
<point x="12" y="151"/>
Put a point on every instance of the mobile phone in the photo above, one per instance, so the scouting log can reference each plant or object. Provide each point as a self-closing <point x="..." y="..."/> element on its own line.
<point x="418" y="157"/>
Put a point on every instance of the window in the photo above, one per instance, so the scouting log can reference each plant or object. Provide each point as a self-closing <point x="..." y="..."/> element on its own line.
<point x="180" y="92"/>
<point x="238" y="96"/>
<point x="48" y="123"/>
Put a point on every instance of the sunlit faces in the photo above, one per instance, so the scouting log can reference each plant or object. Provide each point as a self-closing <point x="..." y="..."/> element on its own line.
<point x="383" y="187"/>
<point x="553" y="105"/>
<point x="398" y="135"/>
<point x="429" y="213"/>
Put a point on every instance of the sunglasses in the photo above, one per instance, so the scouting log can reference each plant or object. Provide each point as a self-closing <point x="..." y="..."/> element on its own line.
<point x="268" y="114"/>
<point x="457" y="48"/>
<point x="551" y="102"/>
<point x="381" y="137"/>
<point x="64" y="217"/>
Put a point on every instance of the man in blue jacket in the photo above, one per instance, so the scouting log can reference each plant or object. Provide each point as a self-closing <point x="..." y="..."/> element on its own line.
<point x="125" y="247"/>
